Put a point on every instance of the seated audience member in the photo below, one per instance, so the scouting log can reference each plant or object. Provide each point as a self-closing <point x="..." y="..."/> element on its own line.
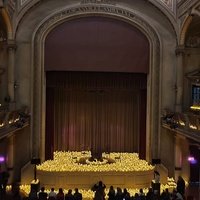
<point x="60" y="195"/>
<point x="141" y="194"/>
<point x="126" y="195"/>
<point x="119" y="194"/>
<point x="179" y="196"/>
<point x="69" y="195"/>
<point x="136" y="197"/>
<point x="42" y="194"/>
<point x="165" y="195"/>
<point x="111" y="193"/>
<point x="14" y="193"/>
<point x="150" y="194"/>
<point x="173" y="195"/>
<point x="77" y="195"/>
<point x="52" y="194"/>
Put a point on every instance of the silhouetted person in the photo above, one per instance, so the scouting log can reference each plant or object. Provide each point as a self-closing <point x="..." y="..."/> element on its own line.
<point x="111" y="193"/>
<point x="119" y="194"/>
<point x="60" y="195"/>
<point x="33" y="194"/>
<point x="52" y="194"/>
<point x="165" y="195"/>
<point x="126" y="194"/>
<point x="14" y="193"/>
<point x="136" y="197"/>
<point x="181" y="186"/>
<point x="150" y="194"/>
<point x="77" y="195"/>
<point x="4" y="175"/>
<point x="42" y="194"/>
<point x="69" y="195"/>
<point x="99" y="191"/>
<point x="141" y="194"/>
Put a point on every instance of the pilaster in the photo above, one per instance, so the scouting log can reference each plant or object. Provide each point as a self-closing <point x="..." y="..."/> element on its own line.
<point x="179" y="78"/>
<point x="11" y="72"/>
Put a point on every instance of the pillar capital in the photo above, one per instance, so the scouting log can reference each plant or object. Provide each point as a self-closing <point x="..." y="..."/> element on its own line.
<point x="11" y="45"/>
<point x="180" y="50"/>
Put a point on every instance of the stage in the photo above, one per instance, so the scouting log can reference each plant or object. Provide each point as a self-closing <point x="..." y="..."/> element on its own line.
<point x="77" y="169"/>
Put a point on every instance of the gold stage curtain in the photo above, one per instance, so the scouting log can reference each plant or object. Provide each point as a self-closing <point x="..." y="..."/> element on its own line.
<point x="94" y="111"/>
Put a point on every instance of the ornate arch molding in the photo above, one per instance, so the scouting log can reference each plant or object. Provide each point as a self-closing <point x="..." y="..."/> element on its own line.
<point x="38" y="81"/>
<point x="194" y="11"/>
<point x="185" y="29"/>
<point x="7" y="21"/>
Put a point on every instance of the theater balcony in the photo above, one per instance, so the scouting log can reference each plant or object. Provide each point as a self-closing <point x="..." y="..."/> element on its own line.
<point x="12" y="121"/>
<point x="186" y="124"/>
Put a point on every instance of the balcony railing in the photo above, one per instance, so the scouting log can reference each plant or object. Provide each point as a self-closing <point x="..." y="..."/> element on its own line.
<point x="10" y="121"/>
<point x="187" y="123"/>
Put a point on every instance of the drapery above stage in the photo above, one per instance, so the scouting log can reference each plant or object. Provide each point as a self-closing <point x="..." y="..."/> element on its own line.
<point x="90" y="110"/>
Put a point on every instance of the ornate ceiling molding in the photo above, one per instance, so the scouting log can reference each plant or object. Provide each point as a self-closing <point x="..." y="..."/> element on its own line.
<point x="186" y="6"/>
<point x="169" y="4"/>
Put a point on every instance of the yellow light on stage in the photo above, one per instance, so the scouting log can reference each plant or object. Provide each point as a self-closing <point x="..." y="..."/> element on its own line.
<point x="64" y="161"/>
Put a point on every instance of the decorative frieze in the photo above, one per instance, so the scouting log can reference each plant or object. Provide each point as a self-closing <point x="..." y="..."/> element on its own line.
<point x="98" y="2"/>
<point x="22" y="2"/>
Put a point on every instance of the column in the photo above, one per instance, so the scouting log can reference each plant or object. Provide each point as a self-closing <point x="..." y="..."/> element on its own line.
<point x="179" y="78"/>
<point x="10" y="157"/>
<point x="11" y="73"/>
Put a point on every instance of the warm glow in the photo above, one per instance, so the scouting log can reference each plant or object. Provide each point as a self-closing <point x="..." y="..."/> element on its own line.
<point x="181" y="123"/>
<point x="1" y="125"/>
<point x="16" y="120"/>
<point x="68" y="161"/>
<point x="89" y="194"/>
<point x="195" y="107"/>
<point x="193" y="127"/>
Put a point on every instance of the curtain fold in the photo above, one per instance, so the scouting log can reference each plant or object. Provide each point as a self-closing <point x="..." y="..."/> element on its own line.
<point x="94" y="111"/>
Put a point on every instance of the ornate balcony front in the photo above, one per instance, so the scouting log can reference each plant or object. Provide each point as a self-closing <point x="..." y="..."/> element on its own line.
<point x="11" y="121"/>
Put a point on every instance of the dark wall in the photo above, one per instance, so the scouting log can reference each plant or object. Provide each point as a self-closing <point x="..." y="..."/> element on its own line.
<point x="96" y="44"/>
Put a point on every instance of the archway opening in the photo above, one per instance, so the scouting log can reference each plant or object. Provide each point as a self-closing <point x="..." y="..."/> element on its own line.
<point x="96" y="83"/>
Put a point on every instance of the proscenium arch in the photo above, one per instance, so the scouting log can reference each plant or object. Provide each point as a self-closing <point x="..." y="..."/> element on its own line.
<point x="38" y="81"/>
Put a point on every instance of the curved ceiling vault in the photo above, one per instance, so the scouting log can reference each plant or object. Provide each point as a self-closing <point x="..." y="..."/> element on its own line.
<point x="96" y="44"/>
